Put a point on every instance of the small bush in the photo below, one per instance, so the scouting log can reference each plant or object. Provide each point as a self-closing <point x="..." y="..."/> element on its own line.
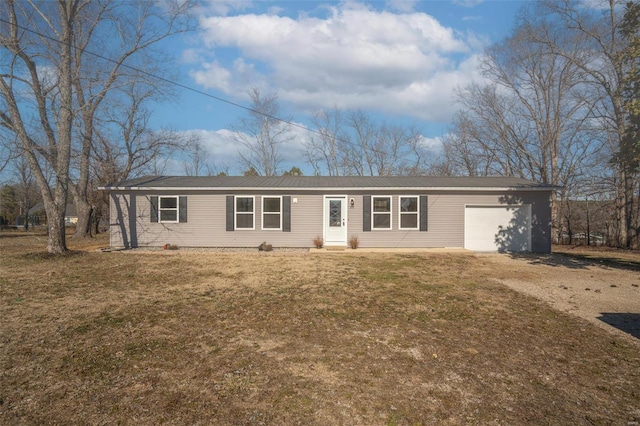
<point x="318" y="242"/>
<point x="354" y="242"/>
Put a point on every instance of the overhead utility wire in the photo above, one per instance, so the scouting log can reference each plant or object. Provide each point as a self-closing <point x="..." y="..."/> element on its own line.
<point x="183" y="86"/>
<point x="157" y="77"/>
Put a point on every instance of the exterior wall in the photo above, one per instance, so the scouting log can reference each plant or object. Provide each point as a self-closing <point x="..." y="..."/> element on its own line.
<point x="206" y="222"/>
<point x="205" y="226"/>
<point x="446" y="219"/>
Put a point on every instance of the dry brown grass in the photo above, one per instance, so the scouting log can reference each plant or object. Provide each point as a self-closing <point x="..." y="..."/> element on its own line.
<point x="295" y="338"/>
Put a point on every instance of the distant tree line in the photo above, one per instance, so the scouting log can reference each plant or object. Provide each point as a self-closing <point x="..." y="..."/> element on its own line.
<point x="342" y="143"/>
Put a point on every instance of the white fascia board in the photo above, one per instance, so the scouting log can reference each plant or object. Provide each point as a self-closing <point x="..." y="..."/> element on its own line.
<point x="324" y="189"/>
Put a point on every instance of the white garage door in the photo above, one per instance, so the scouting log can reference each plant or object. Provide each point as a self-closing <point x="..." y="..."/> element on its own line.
<point x="497" y="228"/>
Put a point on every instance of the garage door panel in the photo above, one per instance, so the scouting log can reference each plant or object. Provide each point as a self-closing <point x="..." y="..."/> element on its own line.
<point x="498" y="228"/>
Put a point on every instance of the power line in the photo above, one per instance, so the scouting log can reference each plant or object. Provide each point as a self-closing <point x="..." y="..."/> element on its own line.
<point x="157" y="77"/>
<point x="191" y="89"/>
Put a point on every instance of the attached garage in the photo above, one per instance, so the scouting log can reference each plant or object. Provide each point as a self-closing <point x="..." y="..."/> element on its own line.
<point x="498" y="228"/>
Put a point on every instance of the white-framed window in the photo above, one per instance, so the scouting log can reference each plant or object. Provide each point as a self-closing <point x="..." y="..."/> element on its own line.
<point x="380" y="212"/>
<point x="168" y="207"/>
<point x="272" y="212"/>
<point x="245" y="217"/>
<point x="409" y="212"/>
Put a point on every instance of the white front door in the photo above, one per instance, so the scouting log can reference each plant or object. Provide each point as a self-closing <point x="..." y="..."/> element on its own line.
<point x="335" y="220"/>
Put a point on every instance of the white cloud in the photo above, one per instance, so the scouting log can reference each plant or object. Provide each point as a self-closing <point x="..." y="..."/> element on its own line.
<point x="214" y="76"/>
<point x="432" y="144"/>
<point x="191" y="56"/>
<point x="222" y="148"/>
<point x="354" y="57"/>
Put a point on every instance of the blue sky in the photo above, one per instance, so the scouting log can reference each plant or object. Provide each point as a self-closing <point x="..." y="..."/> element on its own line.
<point x="398" y="60"/>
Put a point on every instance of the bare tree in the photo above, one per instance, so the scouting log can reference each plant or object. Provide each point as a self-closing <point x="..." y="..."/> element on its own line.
<point x="128" y="151"/>
<point x="459" y="156"/>
<point x="123" y="84"/>
<point x="605" y="66"/>
<point x="359" y="152"/>
<point x="397" y="150"/>
<point x="9" y="147"/>
<point x="261" y="134"/>
<point x="48" y="138"/>
<point x="197" y="162"/>
<point x="326" y="149"/>
<point x="125" y="145"/>
<point x="55" y="54"/>
<point x="353" y="143"/>
<point x="532" y="119"/>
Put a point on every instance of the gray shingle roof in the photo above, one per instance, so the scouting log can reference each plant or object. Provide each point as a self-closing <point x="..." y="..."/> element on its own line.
<point x="323" y="182"/>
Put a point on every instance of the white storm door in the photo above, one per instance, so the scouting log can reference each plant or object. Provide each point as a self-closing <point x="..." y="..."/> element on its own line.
<point x="335" y="220"/>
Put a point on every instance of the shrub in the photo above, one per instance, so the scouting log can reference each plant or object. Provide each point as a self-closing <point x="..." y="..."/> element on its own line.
<point x="354" y="242"/>
<point x="317" y="241"/>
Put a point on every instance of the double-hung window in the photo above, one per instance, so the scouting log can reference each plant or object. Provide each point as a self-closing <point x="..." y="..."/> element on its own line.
<point x="381" y="212"/>
<point x="409" y="212"/>
<point x="245" y="213"/>
<point x="271" y="212"/>
<point x="168" y="209"/>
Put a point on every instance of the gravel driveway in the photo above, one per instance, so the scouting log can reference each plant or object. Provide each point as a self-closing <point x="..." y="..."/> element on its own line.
<point x="607" y="296"/>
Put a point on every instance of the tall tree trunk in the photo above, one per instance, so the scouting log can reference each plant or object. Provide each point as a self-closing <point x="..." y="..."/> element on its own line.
<point x="56" y="237"/>
<point x="83" y="209"/>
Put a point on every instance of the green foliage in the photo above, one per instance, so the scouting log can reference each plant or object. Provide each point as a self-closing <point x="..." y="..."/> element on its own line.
<point x="630" y="30"/>
<point x="251" y="172"/>
<point x="294" y="171"/>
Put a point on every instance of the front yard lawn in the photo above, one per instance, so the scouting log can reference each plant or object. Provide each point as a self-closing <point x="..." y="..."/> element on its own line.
<point x="295" y="338"/>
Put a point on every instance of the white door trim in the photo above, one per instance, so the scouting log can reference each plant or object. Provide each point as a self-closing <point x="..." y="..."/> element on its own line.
<point x="331" y="236"/>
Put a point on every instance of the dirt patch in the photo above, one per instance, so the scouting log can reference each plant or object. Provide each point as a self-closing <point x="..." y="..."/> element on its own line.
<point x="298" y="338"/>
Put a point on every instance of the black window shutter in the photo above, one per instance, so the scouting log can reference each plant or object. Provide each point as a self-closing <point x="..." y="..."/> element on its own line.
<point x="366" y="213"/>
<point x="286" y="213"/>
<point x="183" y="209"/>
<point x="230" y="212"/>
<point x="423" y="213"/>
<point x="154" y="209"/>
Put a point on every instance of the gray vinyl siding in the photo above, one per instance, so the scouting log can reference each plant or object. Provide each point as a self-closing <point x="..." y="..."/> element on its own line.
<point x="206" y="224"/>
<point x="446" y="219"/>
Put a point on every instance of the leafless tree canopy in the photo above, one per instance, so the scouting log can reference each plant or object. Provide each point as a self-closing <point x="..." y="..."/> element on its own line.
<point x="59" y="84"/>
<point x="261" y="135"/>
<point x="352" y="143"/>
<point x="553" y="110"/>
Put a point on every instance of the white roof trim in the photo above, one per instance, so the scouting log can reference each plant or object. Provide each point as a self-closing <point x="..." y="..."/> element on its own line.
<point x="318" y="189"/>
